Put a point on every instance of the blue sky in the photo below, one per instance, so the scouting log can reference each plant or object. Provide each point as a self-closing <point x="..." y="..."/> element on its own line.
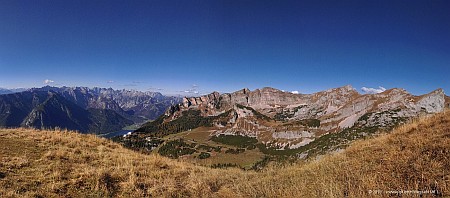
<point x="174" y="46"/>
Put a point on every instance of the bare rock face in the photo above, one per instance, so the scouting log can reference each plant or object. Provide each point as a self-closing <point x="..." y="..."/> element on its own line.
<point x="270" y="97"/>
<point x="282" y="120"/>
<point x="433" y="102"/>
<point x="259" y="99"/>
<point x="209" y="100"/>
<point x="335" y="109"/>
<point x="384" y="109"/>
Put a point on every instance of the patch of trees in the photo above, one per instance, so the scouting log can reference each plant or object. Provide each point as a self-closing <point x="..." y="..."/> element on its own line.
<point x="176" y="148"/>
<point x="189" y="119"/>
<point x="139" y="144"/>
<point x="204" y="155"/>
<point x="310" y="122"/>
<point x="223" y="165"/>
<point x="235" y="151"/>
<point x="274" y="151"/>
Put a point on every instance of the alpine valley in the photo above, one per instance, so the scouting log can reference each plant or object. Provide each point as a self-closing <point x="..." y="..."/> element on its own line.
<point x="249" y="128"/>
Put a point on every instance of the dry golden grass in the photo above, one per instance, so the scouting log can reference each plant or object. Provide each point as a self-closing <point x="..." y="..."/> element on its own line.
<point x="35" y="163"/>
<point x="414" y="157"/>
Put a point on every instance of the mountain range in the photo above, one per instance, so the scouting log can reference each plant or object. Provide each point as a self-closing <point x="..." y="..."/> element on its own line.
<point x="279" y="120"/>
<point x="88" y="110"/>
<point x="305" y="123"/>
<point x="9" y="91"/>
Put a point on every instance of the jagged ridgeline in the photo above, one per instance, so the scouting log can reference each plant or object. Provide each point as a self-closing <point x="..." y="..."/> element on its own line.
<point x="285" y="123"/>
<point x="96" y="110"/>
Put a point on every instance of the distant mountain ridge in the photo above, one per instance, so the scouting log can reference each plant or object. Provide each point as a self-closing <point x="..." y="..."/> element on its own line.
<point x="96" y="110"/>
<point x="132" y="104"/>
<point x="9" y="91"/>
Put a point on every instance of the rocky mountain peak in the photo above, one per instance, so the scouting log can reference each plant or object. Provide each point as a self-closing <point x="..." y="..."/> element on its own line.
<point x="244" y="91"/>
<point x="432" y="102"/>
<point x="208" y="100"/>
<point x="336" y="108"/>
<point x="438" y="91"/>
<point x="270" y="89"/>
<point x="282" y="120"/>
<point x="346" y="88"/>
<point x="396" y="91"/>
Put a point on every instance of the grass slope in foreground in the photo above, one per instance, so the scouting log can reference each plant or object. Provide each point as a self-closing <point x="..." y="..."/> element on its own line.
<point x="414" y="157"/>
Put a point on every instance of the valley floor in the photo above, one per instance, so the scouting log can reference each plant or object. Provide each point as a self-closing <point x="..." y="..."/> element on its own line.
<point x="413" y="159"/>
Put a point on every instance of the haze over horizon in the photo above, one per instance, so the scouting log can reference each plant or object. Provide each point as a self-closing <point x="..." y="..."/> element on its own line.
<point x="204" y="46"/>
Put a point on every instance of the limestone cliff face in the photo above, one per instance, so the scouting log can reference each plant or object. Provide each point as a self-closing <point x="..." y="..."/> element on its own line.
<point x="336" y="108"/>
<point x="264" y="98"/>
<point x="383" y="109"/>
<point x="433" y="102"/>
<point x="269" y="100"/>
<point x="209" y="100"/>
<point x="283" y="120"/>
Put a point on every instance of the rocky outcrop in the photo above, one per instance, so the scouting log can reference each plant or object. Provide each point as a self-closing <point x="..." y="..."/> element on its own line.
<point x="389" y="107"/>
<point x="433" y="102"/>
<point x="335" y="109"/>
<point x="259" y="98"/>
<point x="209" y="100"/>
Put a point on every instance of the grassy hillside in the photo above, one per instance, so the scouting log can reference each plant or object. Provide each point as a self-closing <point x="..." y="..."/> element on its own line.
<point x="414" y="157"/>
